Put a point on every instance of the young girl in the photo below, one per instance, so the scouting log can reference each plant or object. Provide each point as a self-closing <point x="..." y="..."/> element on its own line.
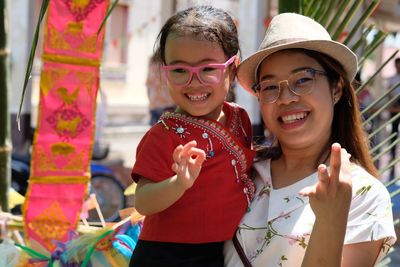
<point x="190" y="212"/>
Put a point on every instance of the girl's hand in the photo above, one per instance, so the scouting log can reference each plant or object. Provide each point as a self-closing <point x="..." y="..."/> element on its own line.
<point x="330" y="198"/>
<point x="188" y="162"/>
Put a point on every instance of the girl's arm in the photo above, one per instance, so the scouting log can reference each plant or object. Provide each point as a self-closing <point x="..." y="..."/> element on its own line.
<point x="151" y="197"/>
<point x="330" y="201"/>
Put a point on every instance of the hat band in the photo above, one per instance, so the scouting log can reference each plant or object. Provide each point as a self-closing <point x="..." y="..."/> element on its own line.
<point x="285" y="41"/>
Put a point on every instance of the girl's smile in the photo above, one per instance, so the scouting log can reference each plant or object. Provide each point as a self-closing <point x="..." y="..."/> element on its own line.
<point x="193" y="96"/>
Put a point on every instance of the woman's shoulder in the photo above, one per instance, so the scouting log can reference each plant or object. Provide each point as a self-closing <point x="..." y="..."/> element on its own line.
<point x="367" y="186"/>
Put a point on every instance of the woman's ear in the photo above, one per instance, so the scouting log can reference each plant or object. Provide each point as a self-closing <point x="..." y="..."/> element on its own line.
<point x="338" y="91"/>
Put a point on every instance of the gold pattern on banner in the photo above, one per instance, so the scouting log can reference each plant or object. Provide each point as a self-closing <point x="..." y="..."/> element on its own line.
<point x="68" y="99"/>
<point x="58" y="58"/>
<point x="77" y="162"/>
<point x="46" y="162"/>
<point x="51" y="224"/>
<point x="78" y="5"/>
<point x="62" y="149"/>
<point x="50" y="77"/>
<point x="60" y="179"/>
<point x="62" y="40"/>
<point x="81" y="8"/>
<point x="88" y="79"/>
<point x="67" y="120"/>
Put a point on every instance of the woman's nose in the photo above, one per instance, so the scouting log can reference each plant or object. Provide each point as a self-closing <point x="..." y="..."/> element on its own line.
<point x="286" y="94"/>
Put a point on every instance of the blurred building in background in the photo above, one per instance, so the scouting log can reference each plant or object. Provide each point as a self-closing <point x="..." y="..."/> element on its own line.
<point x="130" y="35"/>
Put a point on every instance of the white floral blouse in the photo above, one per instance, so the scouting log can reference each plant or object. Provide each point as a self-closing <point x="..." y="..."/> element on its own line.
<point x="276" y="230"/>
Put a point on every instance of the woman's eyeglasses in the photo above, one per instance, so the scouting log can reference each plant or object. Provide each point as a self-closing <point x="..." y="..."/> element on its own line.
<point x="299" y="83"/>
<point x="207" y="74"/>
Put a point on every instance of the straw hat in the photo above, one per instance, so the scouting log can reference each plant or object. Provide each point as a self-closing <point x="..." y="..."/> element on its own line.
<point x="290" y="30"/>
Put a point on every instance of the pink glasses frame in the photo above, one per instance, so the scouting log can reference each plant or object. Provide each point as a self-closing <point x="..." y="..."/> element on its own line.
<point x="196" y="70"/>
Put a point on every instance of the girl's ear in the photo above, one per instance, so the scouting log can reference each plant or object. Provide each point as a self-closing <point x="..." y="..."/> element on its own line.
<point x="233" y="68"/>
<point x="237" y="61"/>
<point x="338" y="91"/>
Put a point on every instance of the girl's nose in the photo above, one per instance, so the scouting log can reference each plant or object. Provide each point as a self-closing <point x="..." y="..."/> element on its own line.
<point x="194" y="80"/>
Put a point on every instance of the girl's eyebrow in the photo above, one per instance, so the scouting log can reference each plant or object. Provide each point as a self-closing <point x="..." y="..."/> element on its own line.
<point x="199" y="63"/>
<point x="270" y="76"/>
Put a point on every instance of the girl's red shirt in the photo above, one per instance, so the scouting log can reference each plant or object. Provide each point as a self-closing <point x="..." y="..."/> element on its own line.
<point x="211" y="210"/>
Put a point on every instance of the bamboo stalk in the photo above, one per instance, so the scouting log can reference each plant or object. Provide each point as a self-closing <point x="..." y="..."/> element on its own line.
<point x="5" y="140"/>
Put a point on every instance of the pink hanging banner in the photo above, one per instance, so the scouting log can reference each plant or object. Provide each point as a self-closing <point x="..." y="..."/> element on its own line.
<point x="52" y="210"/>
<point x="72" y="30"/>
<point x="66" y="126"/>
<point x="62" y="148"/>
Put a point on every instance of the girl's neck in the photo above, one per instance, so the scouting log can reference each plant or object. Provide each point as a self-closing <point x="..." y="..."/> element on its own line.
<point x="220" y="116"/>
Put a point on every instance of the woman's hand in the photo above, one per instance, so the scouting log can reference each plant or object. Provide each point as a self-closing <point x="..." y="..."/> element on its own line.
<point x="188" y="161"/>
<point x="331" y="196"/>
<point x="330" y="201"/>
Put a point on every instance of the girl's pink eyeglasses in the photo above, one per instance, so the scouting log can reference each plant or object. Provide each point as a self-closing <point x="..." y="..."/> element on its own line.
<point x="207" y="74"/>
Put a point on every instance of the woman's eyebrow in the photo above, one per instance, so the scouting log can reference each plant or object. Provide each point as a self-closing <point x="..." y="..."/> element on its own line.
<point x="270" y="76"/>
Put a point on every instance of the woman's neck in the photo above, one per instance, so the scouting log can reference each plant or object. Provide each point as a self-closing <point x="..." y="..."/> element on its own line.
<point x="296" y="164"/>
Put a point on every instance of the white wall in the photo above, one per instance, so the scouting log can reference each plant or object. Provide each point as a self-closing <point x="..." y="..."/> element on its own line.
<point x="251" y="33"/>
<point x="19" y="42"/>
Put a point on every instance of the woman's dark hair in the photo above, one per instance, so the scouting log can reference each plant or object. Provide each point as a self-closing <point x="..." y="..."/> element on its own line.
<point x="202" y="22"/>
<point x="347" y="129"/>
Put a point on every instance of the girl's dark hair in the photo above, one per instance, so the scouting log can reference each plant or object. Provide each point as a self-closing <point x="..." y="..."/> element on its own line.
<point x="203" y="22"/>
<point x="347" y="129"/>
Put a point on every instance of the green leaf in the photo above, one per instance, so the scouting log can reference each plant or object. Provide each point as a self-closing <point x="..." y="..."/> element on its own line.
<point x="386" y="150"/>
<point x="378" y="39"/>
<point x="383" y="126"/>
<point x="379" y="145"/>
<point x="316" y="9"/>
<point x="349" y="15"/>
<point x="107" y="15"/>
<point x="328" y="12"/>
<point x="334" y="21"/>
<point x="308" y="7"/>
<point x="28" y="71"/>
<point x="371" y="78"/>
<point x="363" y="38"/>
<point x="366" y="14"/>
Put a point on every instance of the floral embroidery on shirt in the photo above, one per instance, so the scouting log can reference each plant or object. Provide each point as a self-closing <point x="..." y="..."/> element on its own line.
<point x="218" y="133"/>
<point x="280" y="238"/>
<point x="363" y="190"/>
<point x="271" y="232"/>
<point x="295" y="197"/>
<point x="283" y="258"/>
<point x="387" y="244"/>
<point x="181" y="131"/>
<point x="265" y="190"/>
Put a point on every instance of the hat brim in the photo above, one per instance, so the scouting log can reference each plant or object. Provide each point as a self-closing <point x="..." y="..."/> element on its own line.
<point x="247" y="69"/>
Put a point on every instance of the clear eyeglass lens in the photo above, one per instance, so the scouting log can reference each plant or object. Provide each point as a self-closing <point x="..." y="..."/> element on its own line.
<point x="300" y="83"/>
<point x="178" y="76"/>
<point x="210" y="75"/>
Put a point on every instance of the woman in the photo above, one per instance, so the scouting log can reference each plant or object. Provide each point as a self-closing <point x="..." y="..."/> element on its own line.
<point x="302" y="80"/>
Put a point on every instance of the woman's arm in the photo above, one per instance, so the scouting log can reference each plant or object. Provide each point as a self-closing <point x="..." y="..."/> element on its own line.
<point x="361" y="254"/>
<point x="330" y="201"/>
<point x="153" y="197"/>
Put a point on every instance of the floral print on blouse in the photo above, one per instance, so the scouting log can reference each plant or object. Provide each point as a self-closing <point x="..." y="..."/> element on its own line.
<point x="277" y="230"/>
